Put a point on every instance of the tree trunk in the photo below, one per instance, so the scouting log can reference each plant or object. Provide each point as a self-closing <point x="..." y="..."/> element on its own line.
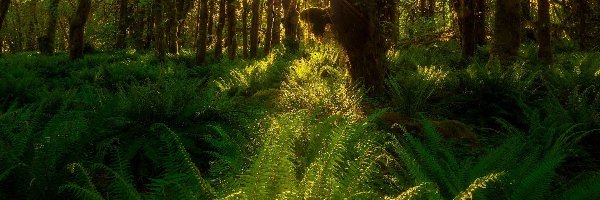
<point x="171" y="24"/>
<point x="245" y="12"/>
<point x="544" y="48"/>
<point x="505" y="46"/>
<point x="269" y="31"/>
<point x="4" y="4"/>
<point x="431" y="8"/>
<point x="202" y="32"/>
<point x="290" y="24"/>
<point x="211" y="19"/>
<point x="123" y="24"/>
<point x="254" y="23"/>
<point x="159" y="29"/>
<point x="46" y="42"/>
<point x="466" y="19"/>
<point x="77" y="29"/>
<point x="276" y="23"/>
<point x="359" y="27"/>
<point x="581" y="9"/>
<point x="480" y="31"/>
<point x="231" y="25"/>
<point x="220" y="26"/>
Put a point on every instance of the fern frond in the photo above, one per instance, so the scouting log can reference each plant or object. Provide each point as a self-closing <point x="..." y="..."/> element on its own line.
<point x="536" y="183"/>
<point x="479" y="183"/>
<point x="81" y="192"/>
<point x="585" y="188"/>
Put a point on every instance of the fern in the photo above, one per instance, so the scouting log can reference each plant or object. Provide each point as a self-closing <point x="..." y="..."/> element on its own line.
<point x="178" y="167"/>
<point x="479" y="183"/>
<point x="536" y="183"/>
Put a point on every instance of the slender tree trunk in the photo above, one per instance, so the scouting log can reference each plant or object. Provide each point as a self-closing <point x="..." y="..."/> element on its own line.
<point x="4" y="4"/>
<point x="46" y="42"/>
<point x="159" y="28"/>
<point x="467" y="18"/>
<point x="171" y="24"/>
<point x="505" y="46"/>
<point x="245" y="12"/>
<point x="231" y="25"/>
<point x="290" y="24"/>
<point x="77" y="29"/>
<point x="211" y="19"/>
<point x="123" y="24"/>
<point x="581" y="9"/>
<point x="254" y="24"/>
<point x="359" y="28"/>
<point x="544" y="48"/>
<point x="276" y="23"/>
<point x="202" y="32"/>
<point x="220" y="26"/>
<point x="269" y="31"/>
<point x="431" y="8"/>
<point x="480" y="30"/>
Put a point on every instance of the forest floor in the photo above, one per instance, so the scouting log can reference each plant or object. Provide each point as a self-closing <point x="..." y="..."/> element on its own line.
<point x="293" y="126"/>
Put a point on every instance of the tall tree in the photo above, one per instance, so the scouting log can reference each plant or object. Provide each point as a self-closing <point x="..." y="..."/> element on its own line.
<point x="46" y="42"/>
<point x="231" y="26"/>
<point x="4" y="4"/>
<point x="290" y="24"/>
<point x="220" y="26"/>
<point x="202" y="32"/>
<point x="159" y="29"/>
<point x="359" y="28"/>
<point x="269" y="31"/>
<point x="77" y="29"/>
<point x="276" y="23"/>
<point x="466" y="21"/>
<point x="123" y="24"/>
<point x="581" y="13"/>
<point x="480" y="30"/>
<point x="543" y="32"/>
<point x="245" y="12"/>
<point x="254" y="23"/>
<point x="505" y="45"/>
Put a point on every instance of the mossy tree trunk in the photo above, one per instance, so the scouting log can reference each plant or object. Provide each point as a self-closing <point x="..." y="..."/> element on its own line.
<point x="77" y="29"/>
<point x="466" y="18"/>
<point x="543" y="32"/>
<point x="254" y="24"/>
<point x="505" y="45"/>
<point x="231" y="27"/>
<point x="220" y="27"/>
<point x="46" y="42"/>
<point x="581" y="10"/>
<point x="276" y="23"/>
<point x="201" y="44"/>
<point x="358" y="25"/>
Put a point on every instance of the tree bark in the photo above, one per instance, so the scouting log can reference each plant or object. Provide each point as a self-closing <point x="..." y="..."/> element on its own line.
<point x="4" y="4"/>
<point x="544" y="48"/>
<point x="46" y="42"/>
<point x="358" y="25"/>
<point x="276" y="23"/>
<point x="159" y="29"/>
<point x="220" y="26"/>
<point x="480" y="30"/>
<point x="290" y="24"/>
<point x="269" y="31"/>
<point x="254" y="23"/>
<point x="505" y="46"/>
<point x="202" y="32"/>
<point x="245" y="12"/>
<point x="123" y="24"/>
<point x="581" y="9"/>
<point x="467" y="23"/>
<point x="77" y="29"/>
<point x="231" y="26"/>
